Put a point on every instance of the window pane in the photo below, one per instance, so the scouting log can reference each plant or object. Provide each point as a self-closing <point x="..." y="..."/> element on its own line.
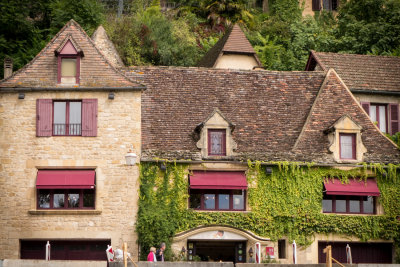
<point x="340" y="204"/>
<point x="59" y="117"/>
<point x="355" y="204"/>
<point x="209" y="201"/>
<point x="327" y="205"/>
<point x="88" y="198"/>
<point x="73" y="200"/>
<point x="68" y="67"/>
<point x="44" y="199"/>
<point x="75" y="109"/>
<point x="216" y="145"/>
<point x="368" y="203"/>
<point x="195" y="201"/>
<point x="238" y="199"/>
<point x="58" y="201"/>
<point x="223" y="201"/>
<point x="382" y="118"/>
<point x="346" y="146"/>
<point x="372" y="113"/>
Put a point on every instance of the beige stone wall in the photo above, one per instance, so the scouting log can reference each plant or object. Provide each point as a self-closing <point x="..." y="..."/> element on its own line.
<point x="307" y="5"/>
<point x="242" y="62"/>
<point x="22" y="154"/>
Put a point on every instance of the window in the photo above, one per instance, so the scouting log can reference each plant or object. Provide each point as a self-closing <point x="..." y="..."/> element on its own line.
<point x="66" y="198"/>
<point x="217" y="199"/>
<point x="348" y="204"/>
<point x="347" y="146"/>
<point x="378" y="114"/>
<point x="386" y="116"/>
<point x="67" y="117"/>
<point x="65" y="189"/>
<point x="216" y="142"/>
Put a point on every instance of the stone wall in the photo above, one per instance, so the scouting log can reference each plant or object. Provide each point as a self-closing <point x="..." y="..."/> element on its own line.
<point x="22" y="154"/>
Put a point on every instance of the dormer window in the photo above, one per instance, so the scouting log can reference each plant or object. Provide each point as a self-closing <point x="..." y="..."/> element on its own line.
<point x="69" y="56"/>
<point x="216" y="142"/>
<point x="215" y="136"/>
<point x="345" y="140"/>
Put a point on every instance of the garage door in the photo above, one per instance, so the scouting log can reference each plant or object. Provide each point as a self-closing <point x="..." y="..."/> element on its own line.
<point x="65" y="249"/>
<point x="361" y="252"/>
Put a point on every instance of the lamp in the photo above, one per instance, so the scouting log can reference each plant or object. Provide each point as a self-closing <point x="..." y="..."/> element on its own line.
<point x="21" y="96"/>
<point x="111" y="96"/>
<point x="268" y="170"/>
<point x="130" y="158"/>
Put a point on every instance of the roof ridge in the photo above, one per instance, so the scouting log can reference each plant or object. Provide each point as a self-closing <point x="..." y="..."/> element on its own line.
<point x="358" y="55"/>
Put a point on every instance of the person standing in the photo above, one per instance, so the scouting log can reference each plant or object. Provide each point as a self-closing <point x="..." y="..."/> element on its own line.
<point x="160" y="252"/>
<point x="152" y="255"/>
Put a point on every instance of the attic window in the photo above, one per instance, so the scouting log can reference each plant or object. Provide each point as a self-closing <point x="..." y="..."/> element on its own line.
<point x="216" y="142"/>
<point x="347" y="146"/>
<point x="68" y="63"/>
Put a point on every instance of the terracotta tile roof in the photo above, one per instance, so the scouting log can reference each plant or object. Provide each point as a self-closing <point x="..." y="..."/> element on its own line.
<point x="234" y="41"/>
<point x="269" y="110"/>
<point x="95" y="70"/>
<point x="361" y="72"/>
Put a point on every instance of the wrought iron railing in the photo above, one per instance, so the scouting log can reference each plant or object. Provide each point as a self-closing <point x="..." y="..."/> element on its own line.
<point x="67" y="129"/>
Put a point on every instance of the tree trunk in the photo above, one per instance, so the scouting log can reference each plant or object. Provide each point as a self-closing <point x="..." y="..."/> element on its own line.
<point x="265" y="6"/>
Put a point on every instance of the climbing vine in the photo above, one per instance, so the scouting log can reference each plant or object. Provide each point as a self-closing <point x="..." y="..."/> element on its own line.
<point x="286" y="203"/>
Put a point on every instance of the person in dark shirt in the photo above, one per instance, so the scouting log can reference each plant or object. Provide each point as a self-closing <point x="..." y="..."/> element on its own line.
<point x="160" y="252"/>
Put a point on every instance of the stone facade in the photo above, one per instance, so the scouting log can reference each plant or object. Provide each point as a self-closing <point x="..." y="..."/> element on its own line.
<point x="22" y="154"/>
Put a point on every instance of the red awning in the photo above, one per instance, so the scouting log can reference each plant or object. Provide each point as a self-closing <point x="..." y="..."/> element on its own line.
<point x="354" y="187"/>
<point x="218" y="180"/>
<point x="72" y="179"/>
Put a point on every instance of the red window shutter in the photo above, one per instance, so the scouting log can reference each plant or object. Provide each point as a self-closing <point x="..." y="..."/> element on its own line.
<point x="89" y="117"/>
<point x="316" y="5"/>
<point x="394" y="118"/>
<point x="365" y="106"/>
<point x="44" y="117"/>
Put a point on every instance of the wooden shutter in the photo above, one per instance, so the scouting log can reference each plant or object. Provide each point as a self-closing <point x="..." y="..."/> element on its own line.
<point x="394" y="118"/>
<point x="365" y="106"/>
<point x="89" y="117"/>
<point x="44" y="117"/>
<point x="316" y="5"/>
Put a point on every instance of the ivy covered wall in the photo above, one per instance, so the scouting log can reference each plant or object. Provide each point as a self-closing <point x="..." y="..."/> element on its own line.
<point x="287" y="203"/>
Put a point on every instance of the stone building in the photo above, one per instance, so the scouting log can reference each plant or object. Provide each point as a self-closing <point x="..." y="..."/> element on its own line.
<point x="67" y="120"/>
<point x="214" y="121"/>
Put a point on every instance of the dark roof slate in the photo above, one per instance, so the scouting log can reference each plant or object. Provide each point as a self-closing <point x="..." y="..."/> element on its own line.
<point x="361" y="72"/>
<point x="95" y="70"/>
<point x="269" y="110"/>
<point x="233" y="41"/>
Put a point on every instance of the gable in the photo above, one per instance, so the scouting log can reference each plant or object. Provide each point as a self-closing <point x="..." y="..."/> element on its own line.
<point x="95" y="70"/>
<point x="334" y="100"/>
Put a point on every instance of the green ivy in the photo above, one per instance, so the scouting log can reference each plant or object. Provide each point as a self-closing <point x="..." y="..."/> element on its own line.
<point x="286" y="203"/>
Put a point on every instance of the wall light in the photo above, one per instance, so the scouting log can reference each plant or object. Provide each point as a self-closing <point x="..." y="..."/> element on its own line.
<point x="268" y="170"/>
<point x="111" y="96"/>
<point x="21" y="96"/>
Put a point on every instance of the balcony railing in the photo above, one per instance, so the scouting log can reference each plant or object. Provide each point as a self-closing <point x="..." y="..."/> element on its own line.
<point x="72" y="129"/>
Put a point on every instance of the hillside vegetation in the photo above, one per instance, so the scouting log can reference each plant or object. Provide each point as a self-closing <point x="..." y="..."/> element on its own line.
<point x="144" y="34"/>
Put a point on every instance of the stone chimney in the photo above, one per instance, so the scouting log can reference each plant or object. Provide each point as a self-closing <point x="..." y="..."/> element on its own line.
<point x="8" y="67"/>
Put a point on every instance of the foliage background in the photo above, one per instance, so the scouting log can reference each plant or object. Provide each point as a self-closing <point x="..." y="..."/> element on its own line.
<point x="146" y="35"/>
<point x="287" y="203"/>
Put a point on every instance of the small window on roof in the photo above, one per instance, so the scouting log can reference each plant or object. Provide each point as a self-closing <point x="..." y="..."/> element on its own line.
<point x="347" y="146"/>
<point x="69" y="56"/>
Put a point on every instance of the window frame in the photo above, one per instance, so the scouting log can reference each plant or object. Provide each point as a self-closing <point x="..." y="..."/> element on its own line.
<point x="67" y="124"/>
<point x="376" y="106"/>
<point x="209" y="143"/>
<point x="65" y="192"/>
<point x="347" y="199"/>
<point x="353" y="145"/>
<point x="77" y="67"/>
<point x="217" y="192"/>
